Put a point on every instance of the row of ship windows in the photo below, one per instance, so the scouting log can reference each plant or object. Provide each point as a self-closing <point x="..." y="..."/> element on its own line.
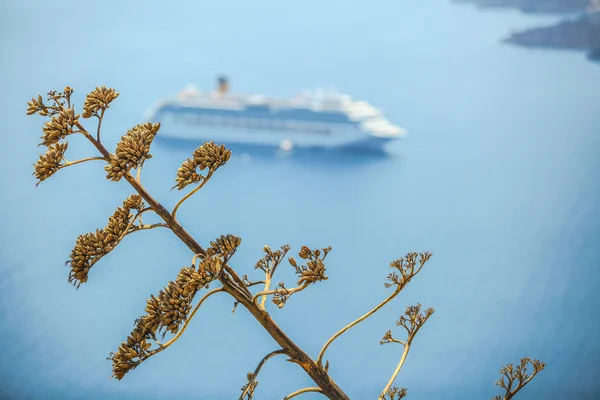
<point x="261" y="123"/>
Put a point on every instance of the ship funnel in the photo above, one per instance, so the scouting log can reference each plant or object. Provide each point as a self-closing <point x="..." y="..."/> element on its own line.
<point x="222" y="85"/>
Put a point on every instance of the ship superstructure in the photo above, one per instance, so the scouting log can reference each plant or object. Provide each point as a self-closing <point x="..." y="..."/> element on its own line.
<point x="319" y="118"/>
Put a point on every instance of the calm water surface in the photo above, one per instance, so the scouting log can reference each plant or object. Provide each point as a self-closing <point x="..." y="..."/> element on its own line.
<point x="498" y="178"/>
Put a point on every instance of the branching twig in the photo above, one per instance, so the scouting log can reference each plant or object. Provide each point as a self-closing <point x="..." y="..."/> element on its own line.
<point x="252" y="376"/>
<point x="517" y="377"/>
<point x="288" y="292"/>
<point x="412" y="320"/>
<point x="355" y="322"/>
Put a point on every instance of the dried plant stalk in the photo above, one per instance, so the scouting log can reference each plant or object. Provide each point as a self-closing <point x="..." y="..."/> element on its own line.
<point x="171" y="310"/>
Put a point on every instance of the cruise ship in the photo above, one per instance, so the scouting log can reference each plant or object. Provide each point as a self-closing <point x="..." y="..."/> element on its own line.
<point x="312" y="119"/>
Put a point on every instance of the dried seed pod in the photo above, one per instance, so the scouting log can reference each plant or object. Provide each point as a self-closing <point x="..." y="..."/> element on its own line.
<point x="98" y="99"/>
<point x="305" y="252"/>
<point x="33" y="106"/>
<point x="49" y="163"/>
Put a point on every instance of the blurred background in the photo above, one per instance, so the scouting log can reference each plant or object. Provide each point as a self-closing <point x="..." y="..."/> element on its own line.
<point x="498" y="178"/>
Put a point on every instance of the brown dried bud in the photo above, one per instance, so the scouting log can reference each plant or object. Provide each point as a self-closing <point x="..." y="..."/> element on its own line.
<point x="133" y="148"/>
<point x="305" y="252"/>
<point x="59" y="127"/>
<point x="49" y="163"/>
<point x="313" y="272"/>
<point x="33" y="106"/>
<point x="98" y="99"/>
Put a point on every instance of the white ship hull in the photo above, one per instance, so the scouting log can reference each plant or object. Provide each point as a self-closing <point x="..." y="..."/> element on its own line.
<point x="341" y="136"/>
<point x="320" y="120"/>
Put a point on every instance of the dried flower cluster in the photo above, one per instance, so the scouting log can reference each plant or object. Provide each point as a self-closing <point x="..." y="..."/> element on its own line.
<point x="91" y="247"/>
<point x="413" y="319"/>
<point x="98" y="99"/>
<point x="517" y="377"/>
<point x="269" y="262"/>
<point x="396" y="393"/>
<point x="407" y="267"/>
<point x="48" y="163"/>
<point x="208" y="155"/>
<point x="36" y="105"/>
<point x="314" y="270"/>
<point x="132" y="150"/>
<point x="225" y="246"/>
<point x="59" y="126"/>
<point x="164" y="313"/>
<point x="281" y="295"/>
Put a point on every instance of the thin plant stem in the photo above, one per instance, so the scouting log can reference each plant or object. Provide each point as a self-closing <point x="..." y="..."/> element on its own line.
<point x="69" y="163"/>
<point x="139" y="171"/>
<point x="350" y="325"/>
<point x="257" y="370"/>
<point x="190" y="194"/>
<point x="397" y="370"/>
<point x="100" y="118"/>
<point x="305" y="390"/>
<point x="268" y="292"/>
<point x="266" y="289"/>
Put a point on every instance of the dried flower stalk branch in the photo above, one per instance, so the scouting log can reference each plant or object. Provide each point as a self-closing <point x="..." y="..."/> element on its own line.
<point x="517" y="377"/>
<point x="231" y="282"/>
<point x="407" y="267"/>
<point x="91" y="247"/>
<point x="412" y="320"/>
<point x="170" y="310"/>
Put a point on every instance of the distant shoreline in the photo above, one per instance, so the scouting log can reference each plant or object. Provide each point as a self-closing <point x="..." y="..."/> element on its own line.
<point x="580" y="33"/>
<point x="535" y="6"/>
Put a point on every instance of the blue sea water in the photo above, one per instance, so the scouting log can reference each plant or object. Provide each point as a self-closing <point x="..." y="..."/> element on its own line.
<point x="498" y="178"/>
